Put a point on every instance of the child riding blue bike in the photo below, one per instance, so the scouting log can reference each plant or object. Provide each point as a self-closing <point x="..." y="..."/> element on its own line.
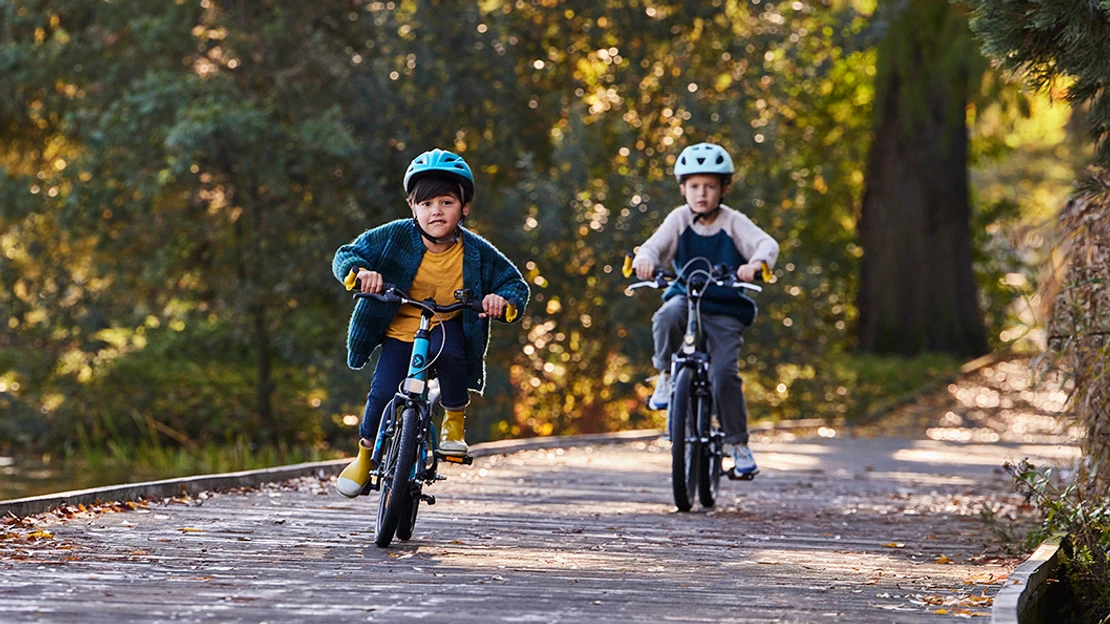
<point x="431" y="257"/>
<point x="706" y="228"/>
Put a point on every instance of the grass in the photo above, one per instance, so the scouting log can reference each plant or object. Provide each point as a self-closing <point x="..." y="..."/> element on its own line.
<point x="117" y="462"/>
<point x="843" y="385"/>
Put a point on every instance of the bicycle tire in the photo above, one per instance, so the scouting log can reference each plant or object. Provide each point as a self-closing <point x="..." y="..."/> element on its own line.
<point x="398" y="498"/>
<point x="685" y="446"/>
<point x="408" y="520"/>
<point x="711" y="467"/>
<point x="408" y="516"/>
<point x="389" y="460"/>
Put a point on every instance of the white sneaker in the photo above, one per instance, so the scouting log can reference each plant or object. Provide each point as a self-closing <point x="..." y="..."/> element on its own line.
<point x="743" y="462"/>
<point x="662" y="395"/>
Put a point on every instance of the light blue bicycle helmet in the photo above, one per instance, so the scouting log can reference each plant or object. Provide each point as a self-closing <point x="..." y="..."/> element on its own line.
<point x="441" y="162"/>
<point x="703" y="158"/>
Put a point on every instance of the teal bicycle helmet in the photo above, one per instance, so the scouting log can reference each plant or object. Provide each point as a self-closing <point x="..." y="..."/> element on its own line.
<point x="441" y="162"/>
<point x="704" y="158"/>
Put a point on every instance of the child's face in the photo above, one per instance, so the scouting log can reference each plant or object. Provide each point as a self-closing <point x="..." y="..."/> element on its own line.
<point x="702" y="192"/>
<point x="439" y="216"/>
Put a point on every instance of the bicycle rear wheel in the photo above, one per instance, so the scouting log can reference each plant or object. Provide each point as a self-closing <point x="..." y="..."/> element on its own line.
<point x="685" y="445"/>
<point x="396" y="498"/>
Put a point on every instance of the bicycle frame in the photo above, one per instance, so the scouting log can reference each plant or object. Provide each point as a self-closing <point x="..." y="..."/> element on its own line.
<point x="694" y="354"/>
<point x="697" y="443"/>
<point x="401" y="450"/>
<point x="413" y="393"/>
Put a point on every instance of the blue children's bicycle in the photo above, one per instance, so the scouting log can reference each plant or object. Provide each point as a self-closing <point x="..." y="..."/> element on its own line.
<point x="406" y="450"/>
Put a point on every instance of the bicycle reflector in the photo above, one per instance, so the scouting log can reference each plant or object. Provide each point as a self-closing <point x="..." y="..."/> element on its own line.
<point x="626" y="270"/>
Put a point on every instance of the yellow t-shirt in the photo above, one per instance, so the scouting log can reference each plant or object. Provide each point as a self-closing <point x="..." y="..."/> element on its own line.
<point x="439" y="276"/>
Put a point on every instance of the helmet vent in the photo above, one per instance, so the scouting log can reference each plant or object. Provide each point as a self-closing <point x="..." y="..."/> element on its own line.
<point x="720" y="159"/>
<point x="701" y="161"/>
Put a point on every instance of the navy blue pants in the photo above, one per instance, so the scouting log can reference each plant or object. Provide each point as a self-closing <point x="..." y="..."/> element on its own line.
<point x="393" y="365"/>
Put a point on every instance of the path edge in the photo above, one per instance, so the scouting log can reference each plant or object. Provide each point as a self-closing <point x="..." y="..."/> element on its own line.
<point x="167" y="488"/>
<point x="1026" y="586"/>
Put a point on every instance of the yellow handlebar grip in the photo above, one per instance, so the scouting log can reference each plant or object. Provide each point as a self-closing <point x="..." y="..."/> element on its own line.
<point x="351" y="280"/>
<point x="510" y="313"/>
<point x="768" y="276"/>
<point x="626" y="270"/>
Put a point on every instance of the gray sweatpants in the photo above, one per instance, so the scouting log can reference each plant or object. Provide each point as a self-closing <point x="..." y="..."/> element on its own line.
<point x="722" y="333"/>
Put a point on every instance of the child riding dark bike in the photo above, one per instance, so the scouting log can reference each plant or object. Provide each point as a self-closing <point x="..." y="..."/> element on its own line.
<point x="430" y="256"/>
<point x="706" y="228"/>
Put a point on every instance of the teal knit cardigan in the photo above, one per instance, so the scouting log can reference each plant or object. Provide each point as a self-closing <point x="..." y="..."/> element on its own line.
<point x="395" y="250"/>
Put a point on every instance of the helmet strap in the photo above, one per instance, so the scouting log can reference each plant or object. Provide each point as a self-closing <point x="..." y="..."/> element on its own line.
<point x="453" y="238"/>
<point x="698" y="216"/>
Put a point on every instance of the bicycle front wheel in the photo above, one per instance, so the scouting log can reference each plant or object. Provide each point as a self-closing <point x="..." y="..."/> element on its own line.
<point x="396" y="498"/>
<point x="685" y="444"/>
<point x="711" y="469"/>
<point x="408" y="520"/>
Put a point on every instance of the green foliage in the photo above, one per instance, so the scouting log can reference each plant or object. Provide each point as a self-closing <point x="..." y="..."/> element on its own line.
<point x="175" y="177"/>
<point x="1071" y="509"/>
<point x="844" y="385"/>
<point x="1053" y="41"/>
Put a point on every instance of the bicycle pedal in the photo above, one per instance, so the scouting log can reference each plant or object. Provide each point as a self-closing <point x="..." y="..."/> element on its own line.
<point x="466" y="460"/>
<point x="428" y="498"/>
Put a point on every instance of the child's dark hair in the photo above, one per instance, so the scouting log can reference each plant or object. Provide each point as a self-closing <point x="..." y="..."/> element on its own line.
<point x="433" y="185"/>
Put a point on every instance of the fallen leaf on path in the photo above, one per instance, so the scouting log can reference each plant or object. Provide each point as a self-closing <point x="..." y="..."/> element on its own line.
<point x="191" y="530"/>
<point x="986" y="579"/>
<point x="894" y="545"/>
<point x="943" y="559"/>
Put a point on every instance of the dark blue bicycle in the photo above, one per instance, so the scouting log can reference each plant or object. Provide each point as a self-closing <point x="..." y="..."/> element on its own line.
<point x="406" y="452"/>
<point x="697" y="441"/>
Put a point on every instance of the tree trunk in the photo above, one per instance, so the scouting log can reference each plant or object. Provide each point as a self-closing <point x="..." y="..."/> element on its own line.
<point x="917" y="288"/>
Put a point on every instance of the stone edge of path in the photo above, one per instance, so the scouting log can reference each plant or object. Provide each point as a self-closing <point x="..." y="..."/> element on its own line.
<point x="1027" y="583"/>
<point x="165" y="488"/>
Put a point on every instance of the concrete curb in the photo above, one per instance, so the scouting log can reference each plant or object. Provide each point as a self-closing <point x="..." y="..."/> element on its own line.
<point x="191" y="485"/>
<point x="1018" y="598"/>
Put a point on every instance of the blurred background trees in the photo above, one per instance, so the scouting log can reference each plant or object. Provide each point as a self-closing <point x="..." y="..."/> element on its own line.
<point x="1049" y="45"/>
<point x="175" y="176"/>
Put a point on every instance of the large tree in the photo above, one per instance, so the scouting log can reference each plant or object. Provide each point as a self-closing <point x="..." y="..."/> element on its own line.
<point x="917" y="288"/>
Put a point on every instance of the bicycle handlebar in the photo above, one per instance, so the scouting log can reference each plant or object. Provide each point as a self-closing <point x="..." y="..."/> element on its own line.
<point x="720" y="275"/>
<point x="392" y="294"/>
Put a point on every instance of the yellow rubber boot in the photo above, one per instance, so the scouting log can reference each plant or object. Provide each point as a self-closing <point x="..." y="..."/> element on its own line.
<point x="357" y="473"/>
<point x="453" y="439"/>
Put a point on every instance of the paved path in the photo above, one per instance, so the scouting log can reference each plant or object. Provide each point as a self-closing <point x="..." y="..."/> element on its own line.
<point x="841" y="530"/>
